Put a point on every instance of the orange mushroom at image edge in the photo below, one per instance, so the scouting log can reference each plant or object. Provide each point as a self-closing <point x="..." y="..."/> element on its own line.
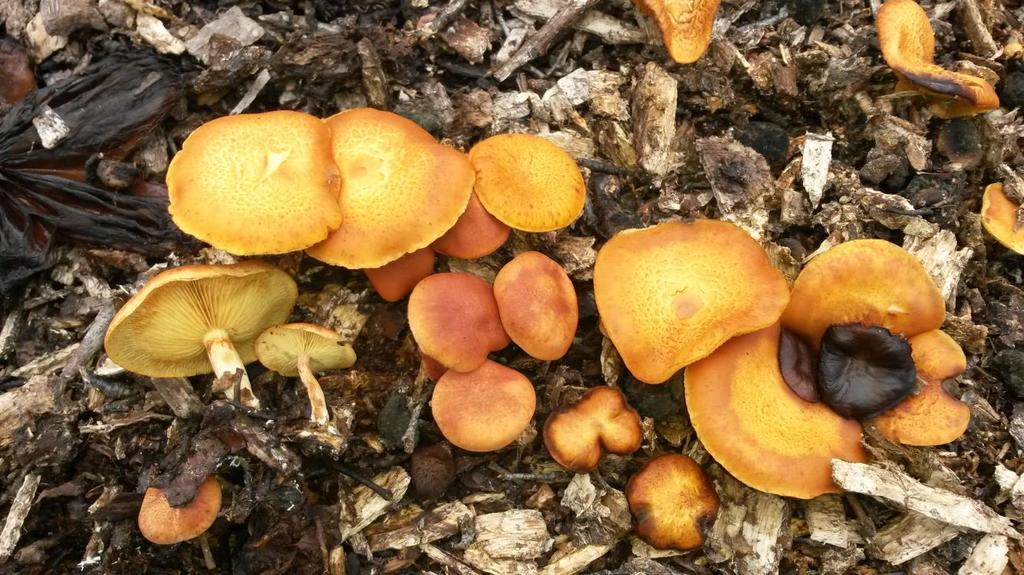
<point x="908" y="46"/>
<point x="672" y="502"/>
<point x="1000" y="218"/>
<point x="602" y="421"/>
<point x="165" y="525"/>
<point x="685" y="25"/>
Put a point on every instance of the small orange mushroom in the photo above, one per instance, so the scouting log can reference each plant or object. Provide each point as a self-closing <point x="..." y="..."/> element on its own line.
<point x="908" y="46"/>
<point x="670" y="294"/>
<point x="395" y="280"/>
<point x="165" y="525"/>
<point x="256" y="183"/>
<point x="1000" y="217"/>
<point x="537" y="304"/>
<point x="527" y="182"/>
<point x="870" y="282"/>
<point x="672" y="501"/>
<point x="485" y="409"/>
<point x="756" y="427"/>
<point x="931" y="416"/>
<point x="455" y="320"/>
<point x="685" y="25"/>
<point x="401" y="189"/>
<point x="577" y="436"/>
<point x="475" y="235"/>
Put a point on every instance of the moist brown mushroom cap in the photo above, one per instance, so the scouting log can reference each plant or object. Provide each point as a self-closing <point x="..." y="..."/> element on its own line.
<point x="485" y="409"/>
<point x="576" y="436"/>
<point x="165" y="525"/>
<point x="537" y="304"/>
<point x="672" y="502"/>
<point x="475" y="235"/>
<point x="396" y="280"/>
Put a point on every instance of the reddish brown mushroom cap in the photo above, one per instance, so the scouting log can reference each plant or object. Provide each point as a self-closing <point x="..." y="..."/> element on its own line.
<point x="455" y="320"/>
<point x="576" y="436"/>
<point x="999" y="217"/>
<point x="401" y="190"/>
<point x="931" y="416"/>
<point x="672" y="502"/>
<point x="870" y="282"/>
<point x="753" y="424"/>
<point x="395" y="280"/>
<point x="475" y="235"/>
<point x="483" y="410"/>
<point x="670" y="294"/>
<point x="165" y="525"/>
<point x="908" y="45"/>
<point x="537" y="304"/>
<point x="685" y="25"/>
<point x="432" y="367"/>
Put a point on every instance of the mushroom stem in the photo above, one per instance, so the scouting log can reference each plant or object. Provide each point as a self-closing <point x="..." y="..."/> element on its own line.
<point x="317" y="402"/>
<point x="226" y="361"/>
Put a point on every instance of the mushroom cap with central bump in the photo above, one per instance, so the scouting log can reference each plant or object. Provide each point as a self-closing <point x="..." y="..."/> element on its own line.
<point x="537" y="304"/>
<point x="758" y="429"/>
<point x="685" y="25"/>
<point x="999" y="216"/>
<point x="165" y="525"/>
<point x="485" y="409"/>
<point x="454" y="320"/>
<point x="870" y="282"/>
<point x="401" y="189"/>
<point x="256" y="183"/>
<point x="672" y="501"/>
<point x="908" y="45"/>
<point x="576" y="436"/>
<point x="160" y="331"/>
<point x="475" y="235"/>
<point x="670" y="294"/>
<point x="864" y="370"/>
<point x="395" y="280"/>
<point x="280" y="347"/>
<point x="527" y="182"/>
<point x="931" y="416"/>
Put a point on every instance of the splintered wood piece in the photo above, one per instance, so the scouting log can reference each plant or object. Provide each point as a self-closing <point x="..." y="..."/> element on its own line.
<point x="365" y="506"/>
<point x="908" y="537"/>
<point x="20" y="507"/>
<point x="444" y="521"/>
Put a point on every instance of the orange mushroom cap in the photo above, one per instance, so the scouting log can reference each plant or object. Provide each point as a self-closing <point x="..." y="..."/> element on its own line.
<point x="401" y="190"/>
<point x="485" y="409"/>
<point x="475" y="235"/>
<point x="753" y="424"/>
<point x="999" y="217"/>
<point x="455" y="320"/>
<point x="931" y="416"/>
<point x="576" y="436"/>
<point x="432" y="367"/>
<point x="672" y="501"/>
<point x="256" y="183"/>
<point x="685" y="25"/>
<point x="527" y="182"/>
<point x="908" y="46"/>
<point x="871" y="282"/>
<point x="537" y="304"/>
<point x="165" y="525"/>
<point x="395" y="280"/>
<point x="670" y="294"/>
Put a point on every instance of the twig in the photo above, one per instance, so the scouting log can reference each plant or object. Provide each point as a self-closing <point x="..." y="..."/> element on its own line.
<point x="442" y="18"/>
<point x="16" y="516"/>
<point x="538" y="44"/>
<point x="91" y="343"/>
<point x="10" y="329"/>
<point x="360" y="478"/>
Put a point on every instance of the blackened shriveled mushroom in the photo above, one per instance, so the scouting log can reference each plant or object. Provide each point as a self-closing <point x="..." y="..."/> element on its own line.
<point x="44" y="189"/>
<point x="864" y="370"/>
<point x="797" y="364"/>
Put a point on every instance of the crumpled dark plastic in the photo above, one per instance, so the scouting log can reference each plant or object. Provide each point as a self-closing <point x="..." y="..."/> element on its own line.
<point x="44" y="198"/>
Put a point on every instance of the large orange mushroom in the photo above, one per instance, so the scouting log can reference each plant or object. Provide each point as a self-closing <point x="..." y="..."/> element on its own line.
<point x="578" y="435"/>
<point x="685" y="25"/>
<point x="931" y="416"/>
<point x="485" y="409"/>
<point x="527" y="182"/>
<point x="672" y="501"/>
<point x="401" y="189"/>
<point x="455" y="320"/>
<point x="537" y="304"/>
<point x="1000" y="218"/>
<point x="908" y="46"/>
<point x="670" y="294"/>
<point x="756" y="427"/>
<point x="256" y="183"/>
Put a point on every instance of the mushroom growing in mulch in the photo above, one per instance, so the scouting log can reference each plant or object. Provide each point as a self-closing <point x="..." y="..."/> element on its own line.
<point x="672" y="502"/>
<point x="1000" y="219"/>
<point x="537" y="305"/>
<point x="165" y="525"/>
<point x="602" y="421"/>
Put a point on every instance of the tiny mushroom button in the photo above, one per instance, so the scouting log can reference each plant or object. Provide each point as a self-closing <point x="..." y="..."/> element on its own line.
<point x="199" y="319"/>
<point x="303" y="349"/>
<point x="165" y="525"/>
